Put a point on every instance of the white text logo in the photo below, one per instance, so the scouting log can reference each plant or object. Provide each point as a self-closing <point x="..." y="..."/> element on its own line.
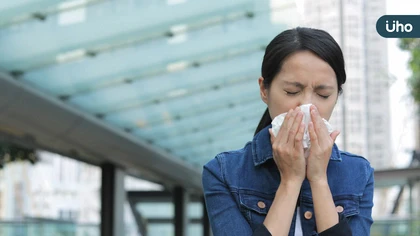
<point x="399" y="27"/>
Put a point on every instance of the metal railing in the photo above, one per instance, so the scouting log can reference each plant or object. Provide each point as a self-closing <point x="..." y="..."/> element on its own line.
<point x="47" y="228"/>
<point x="15" y="228"/>
<point x="391" y="227"/>
<point x="396" y="227"/>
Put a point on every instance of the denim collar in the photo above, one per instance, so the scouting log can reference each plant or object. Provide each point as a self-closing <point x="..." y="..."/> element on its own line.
<point x="262" y="150"/>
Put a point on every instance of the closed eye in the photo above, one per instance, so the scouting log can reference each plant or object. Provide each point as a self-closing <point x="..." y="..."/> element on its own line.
<point x="291" y="93"/>
<point x="324" y="97"/>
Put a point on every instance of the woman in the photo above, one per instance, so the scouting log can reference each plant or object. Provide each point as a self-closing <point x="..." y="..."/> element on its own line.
<point x="268" y="187"/>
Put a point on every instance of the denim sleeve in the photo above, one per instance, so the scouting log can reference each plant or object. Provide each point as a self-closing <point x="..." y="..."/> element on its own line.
<point x="224" y="214"/>
<point x="361" y="223"/>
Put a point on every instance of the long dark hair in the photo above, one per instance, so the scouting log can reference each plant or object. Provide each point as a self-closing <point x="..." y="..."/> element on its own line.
<point x="299" y="39"/>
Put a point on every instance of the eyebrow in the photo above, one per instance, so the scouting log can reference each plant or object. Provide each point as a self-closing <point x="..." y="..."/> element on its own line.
<point x="301" y="86"/>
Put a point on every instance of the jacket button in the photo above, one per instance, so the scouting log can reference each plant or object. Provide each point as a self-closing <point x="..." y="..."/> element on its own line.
<point x="308" y="215"/>
<point x="261" y="204"/>
<point x="339" y="209"/>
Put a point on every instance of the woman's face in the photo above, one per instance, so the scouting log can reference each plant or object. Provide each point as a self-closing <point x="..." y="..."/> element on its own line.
<point x="304" y="78"/>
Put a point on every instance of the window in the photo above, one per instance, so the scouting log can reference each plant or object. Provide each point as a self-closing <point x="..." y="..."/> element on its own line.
<point x="1" y="204"/>
<point x="19" y="198"/>
<point x="356" y="148"/>
<point x="68" y="214"/>
<point x="377" y="120"/>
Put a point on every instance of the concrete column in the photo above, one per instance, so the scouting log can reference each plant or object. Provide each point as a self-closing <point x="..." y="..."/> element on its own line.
<point x="112" y="201"/>
<point x="410" y="206"/>
<point x="180" y="200"/>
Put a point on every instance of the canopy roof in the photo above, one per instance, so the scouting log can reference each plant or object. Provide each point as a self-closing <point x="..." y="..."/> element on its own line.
<point x="156" y="87"/>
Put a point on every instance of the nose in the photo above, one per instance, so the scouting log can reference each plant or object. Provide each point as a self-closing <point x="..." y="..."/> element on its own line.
<point x="306" y="99"/>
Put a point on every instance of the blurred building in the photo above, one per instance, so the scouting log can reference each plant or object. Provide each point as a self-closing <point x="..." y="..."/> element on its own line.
<point x="365" y="123"/>
<point x="60" y="189"/>
<point x="144" y="88"/>
<point x="55" y="188"/>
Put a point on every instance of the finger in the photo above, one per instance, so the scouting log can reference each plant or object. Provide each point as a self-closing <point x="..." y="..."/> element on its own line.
<point x="319" y="127"/>
<point x="315" y="117"/>
<point x="286" y="119"/>
<point x="285" y="127"/>
<point x="293" y="117"/>
<point x="295" y="127"/>
<point x="299" y="136"/>
<point x="312" y="135"/>
<point x="282" y="128"/>
<point x="272" y="137"/>
<point x="334" y="135"/>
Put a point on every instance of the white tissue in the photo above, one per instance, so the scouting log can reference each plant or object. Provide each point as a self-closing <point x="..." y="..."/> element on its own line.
<point x="278" y="120"/>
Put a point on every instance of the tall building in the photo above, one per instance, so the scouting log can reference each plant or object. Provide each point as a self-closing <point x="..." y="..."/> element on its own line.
<point x="365" y="123"/>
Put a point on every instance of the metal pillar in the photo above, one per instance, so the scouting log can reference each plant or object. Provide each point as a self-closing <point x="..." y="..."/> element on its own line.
<point x="410" y="206"/>
<point x="180" y="200"/>
<point x="112" y="201"/>
<point x="205" y="219"/>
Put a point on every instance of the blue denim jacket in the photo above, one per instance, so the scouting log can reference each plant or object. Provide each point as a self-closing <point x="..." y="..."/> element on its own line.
<point x="239" y="187"/>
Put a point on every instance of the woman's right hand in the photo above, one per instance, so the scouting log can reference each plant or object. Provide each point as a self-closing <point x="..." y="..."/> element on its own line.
<point x="287" y="147"/>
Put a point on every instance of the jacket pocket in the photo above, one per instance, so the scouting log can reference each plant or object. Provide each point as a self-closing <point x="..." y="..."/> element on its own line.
<point x="347" y="205"/>
<point x="255" y="205"/>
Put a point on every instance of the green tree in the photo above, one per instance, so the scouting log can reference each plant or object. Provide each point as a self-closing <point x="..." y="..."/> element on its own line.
<point x="11" y="153"/>
<point x="412" y="45"/>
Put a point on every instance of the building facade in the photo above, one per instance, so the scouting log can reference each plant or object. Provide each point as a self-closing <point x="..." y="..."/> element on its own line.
<point x="362" y="113"/>
<point x="54" y="188"/>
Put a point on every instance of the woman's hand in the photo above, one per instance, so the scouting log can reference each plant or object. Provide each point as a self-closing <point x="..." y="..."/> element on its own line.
<point x="288" y="148"/>
<point x="320" y="149"/>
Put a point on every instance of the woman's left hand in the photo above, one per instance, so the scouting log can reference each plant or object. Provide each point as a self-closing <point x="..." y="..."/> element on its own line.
<point x="320" y="149"/>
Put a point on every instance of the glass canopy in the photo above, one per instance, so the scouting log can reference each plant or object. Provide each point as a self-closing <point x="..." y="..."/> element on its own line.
<point x="180" y="75"/>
